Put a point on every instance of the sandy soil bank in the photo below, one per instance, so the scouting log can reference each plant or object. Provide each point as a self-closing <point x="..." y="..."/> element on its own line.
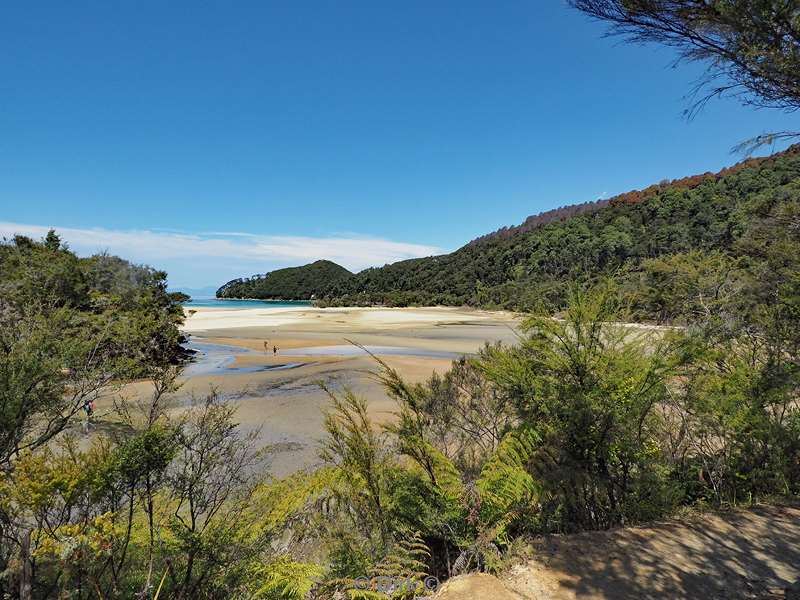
<point x="744" y="554"/>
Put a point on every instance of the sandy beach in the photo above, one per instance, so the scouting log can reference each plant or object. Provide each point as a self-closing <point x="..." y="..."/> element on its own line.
<point x="278" y="393"/>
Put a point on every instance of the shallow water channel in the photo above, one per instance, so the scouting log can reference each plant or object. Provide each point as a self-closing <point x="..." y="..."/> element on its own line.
<point x="218" y="359"/>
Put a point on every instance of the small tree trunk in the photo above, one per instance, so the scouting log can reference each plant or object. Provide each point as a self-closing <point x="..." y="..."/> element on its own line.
<point x="26" y="574"/>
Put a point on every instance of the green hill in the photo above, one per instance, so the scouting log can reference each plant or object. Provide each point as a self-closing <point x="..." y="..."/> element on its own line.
<point x="293" y="283"/>
<point x="537" y="261"/>
<point x="687" y="232"/>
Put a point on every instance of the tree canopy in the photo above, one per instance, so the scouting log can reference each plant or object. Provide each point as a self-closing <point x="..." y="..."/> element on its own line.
<point x="751" y="47"/>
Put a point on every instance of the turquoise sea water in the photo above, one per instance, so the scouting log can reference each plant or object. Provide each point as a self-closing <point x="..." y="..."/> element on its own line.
<point x="234" y="304"/>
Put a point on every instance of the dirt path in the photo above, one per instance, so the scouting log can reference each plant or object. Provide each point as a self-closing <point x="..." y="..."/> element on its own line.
<point x="728" y="556"/>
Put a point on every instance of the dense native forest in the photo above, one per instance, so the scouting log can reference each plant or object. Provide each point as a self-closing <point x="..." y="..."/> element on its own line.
<point x="699" y="232"/>
<point x="640" y="233"/>
<point x="294" y="283"/>
<point x="585" y="423"/>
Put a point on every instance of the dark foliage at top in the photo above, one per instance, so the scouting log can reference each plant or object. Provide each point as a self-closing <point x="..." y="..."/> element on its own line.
<point x="753" y="47"/>
<point x="293" y="283"/>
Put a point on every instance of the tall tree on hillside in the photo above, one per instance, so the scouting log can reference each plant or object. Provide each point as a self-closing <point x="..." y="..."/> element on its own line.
<point x="751" y="47"/>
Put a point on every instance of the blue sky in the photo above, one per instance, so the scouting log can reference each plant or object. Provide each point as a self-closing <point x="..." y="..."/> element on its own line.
<point x="215" y="139"/>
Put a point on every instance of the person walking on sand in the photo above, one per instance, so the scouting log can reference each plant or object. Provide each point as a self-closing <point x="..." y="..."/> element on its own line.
<point x="88" y="408"/>
<point x="274" y="350"/>
<point x="266" y="346"/>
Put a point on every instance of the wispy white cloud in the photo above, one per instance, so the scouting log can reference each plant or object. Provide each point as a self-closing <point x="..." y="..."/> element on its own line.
<point x="242" y="249"/>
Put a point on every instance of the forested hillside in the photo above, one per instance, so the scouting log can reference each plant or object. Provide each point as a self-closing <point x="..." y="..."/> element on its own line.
<point x="538" y="260"/>
<point x="696" y="227"/>
<point x="294" y="283"/>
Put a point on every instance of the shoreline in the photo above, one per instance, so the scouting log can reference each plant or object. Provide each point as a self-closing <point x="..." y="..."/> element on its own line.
<point x="309" y="302"/>
<point x="205" y="318"/>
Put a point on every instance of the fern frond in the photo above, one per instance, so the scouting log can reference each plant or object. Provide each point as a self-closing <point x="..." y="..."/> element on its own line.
<point x="429" y="460"/>
<point x="280" y="501"/>
<point x="285" y="579"/>
<point x="505" y="483"/>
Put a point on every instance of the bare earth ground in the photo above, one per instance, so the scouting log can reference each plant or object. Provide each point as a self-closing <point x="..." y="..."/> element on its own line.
<point x="722" y="556"/>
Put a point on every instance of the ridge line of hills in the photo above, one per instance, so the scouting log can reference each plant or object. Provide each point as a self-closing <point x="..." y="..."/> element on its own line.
<point x="631" y="197"/>
<point x="536" y="261"/>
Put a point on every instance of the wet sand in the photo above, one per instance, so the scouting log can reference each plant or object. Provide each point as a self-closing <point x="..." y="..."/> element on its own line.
<point x="279" y="393"/>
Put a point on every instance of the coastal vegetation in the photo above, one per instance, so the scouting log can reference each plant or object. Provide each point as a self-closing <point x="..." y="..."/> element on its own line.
<point x="585" y="424"/>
